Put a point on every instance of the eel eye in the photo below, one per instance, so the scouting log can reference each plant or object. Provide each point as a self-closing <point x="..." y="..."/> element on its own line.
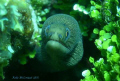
<point x="46" y="30"/>
<point x="67" y="33"/>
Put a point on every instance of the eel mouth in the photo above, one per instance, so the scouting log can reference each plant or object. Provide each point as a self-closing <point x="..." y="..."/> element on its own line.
<point x="53" y="46"/>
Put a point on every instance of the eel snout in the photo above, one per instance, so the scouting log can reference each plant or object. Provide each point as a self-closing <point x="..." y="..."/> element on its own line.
<point x="56" y="47"/>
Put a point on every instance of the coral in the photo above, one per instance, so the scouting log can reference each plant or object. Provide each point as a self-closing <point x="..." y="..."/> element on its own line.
<point x="40" y="10"/>
<point x="17" y="28"/>
<point x="107" y="67"/>
<point x="6" y="52"/>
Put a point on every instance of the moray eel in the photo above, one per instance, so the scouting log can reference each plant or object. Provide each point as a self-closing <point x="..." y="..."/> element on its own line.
<point x="61" y="45"/>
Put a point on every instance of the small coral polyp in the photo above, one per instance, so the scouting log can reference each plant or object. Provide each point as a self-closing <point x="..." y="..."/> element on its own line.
<point x="17" y="21"/>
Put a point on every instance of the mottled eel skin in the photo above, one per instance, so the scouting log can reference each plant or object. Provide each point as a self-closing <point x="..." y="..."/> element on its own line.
<point x="61" y="45"/>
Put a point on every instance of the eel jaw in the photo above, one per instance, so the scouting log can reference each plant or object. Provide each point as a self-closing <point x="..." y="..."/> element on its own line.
<point x="56" y="47"/>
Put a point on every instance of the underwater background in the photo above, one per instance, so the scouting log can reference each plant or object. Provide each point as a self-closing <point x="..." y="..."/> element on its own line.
<point x="20" y="27"/>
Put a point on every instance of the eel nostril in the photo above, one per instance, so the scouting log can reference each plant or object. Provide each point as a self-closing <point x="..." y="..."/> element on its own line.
<point x="50" y="34"/>
<point x="60" y="36"/>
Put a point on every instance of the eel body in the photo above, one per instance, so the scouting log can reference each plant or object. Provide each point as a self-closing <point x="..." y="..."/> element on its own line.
<point x="61" y="45"/>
